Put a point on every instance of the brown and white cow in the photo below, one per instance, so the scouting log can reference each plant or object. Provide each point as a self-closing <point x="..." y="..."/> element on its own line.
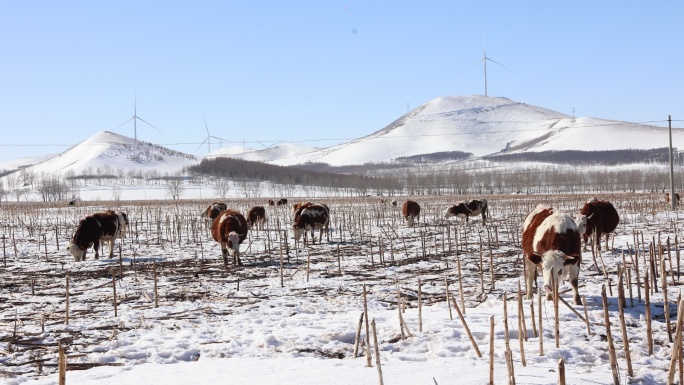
<point x="100" y="227"/>
<point x="214" y="209"/>
<point x="551" y="241"/>
<point x="410" y="210"/>
<point x="230" y="230"/>
<point x="467" y="209"/>
<point x="256" y="217"/>
<point x="282" y="201"/>
<point x="271" y="202"/>
<point x="311" y="217"/>
<point x="597" y="215"/>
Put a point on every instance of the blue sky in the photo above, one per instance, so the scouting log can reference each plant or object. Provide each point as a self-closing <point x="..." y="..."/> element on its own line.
<point x="319" y="72"/>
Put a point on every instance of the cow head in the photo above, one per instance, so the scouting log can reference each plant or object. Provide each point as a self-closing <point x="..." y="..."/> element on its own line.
<point x="298" y="229"/>
<point x="552" y="265"/>
<point x="234" y="244"/>
<point x="581" y="222"/>
<point x="77" y="251"/>
<point x="451" y="211"/>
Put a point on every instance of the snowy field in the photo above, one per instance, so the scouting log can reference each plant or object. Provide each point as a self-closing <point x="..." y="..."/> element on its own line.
<point x="290" y="314"/>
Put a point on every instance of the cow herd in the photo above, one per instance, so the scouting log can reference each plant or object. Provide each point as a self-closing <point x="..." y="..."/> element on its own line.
<point x="552" y="242"/>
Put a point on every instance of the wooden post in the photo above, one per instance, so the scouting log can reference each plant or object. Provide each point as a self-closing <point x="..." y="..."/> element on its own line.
<point x="154" y="276"/>
<point x="647" y="313"/>
<point x="555" y="310"/>
<point x="365" y="312"/>
<point x="377" y="352"/>
<point x="358" y="336"/>
<point x="114" y="289"/>
<point x="561" y="371"/>
<point x="61" y="363"/>
<point x="491" y="350"/>
<point x="420" y="307"/>
<point x="586" y="315"/>
<point x="465" y="326"/>
<point x="66" y="310"/>
<point x="677" y="347"/>
<point x="541" y="328"/>
<point x="448" y="296"/>
<point x="609" y="337"/>
<point x="534" y="324"/>
<point x="460" y="285"/>
<point x="402" y="324"/>
<point x="623" y="327"/>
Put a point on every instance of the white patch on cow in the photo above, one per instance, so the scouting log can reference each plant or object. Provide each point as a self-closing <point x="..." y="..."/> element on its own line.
<point x="76" y="252"/>
<point x="540" y="207"/>
<point x="559" y="223"/>
<point x="581" y="221"/>
<point x="552" y="263"/>
<point x="592" y="200"/>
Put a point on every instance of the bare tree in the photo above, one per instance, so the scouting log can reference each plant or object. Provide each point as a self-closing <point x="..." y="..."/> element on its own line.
<point x="174" y="186"/>
<point x="222" y="186"/>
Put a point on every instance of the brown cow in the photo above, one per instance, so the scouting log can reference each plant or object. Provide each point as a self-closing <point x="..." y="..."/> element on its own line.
<point x="551" y="241"/>
<point x="298" y="207"/>
<point x="597" y="215"/>
<point x="311" y="217"/>
<point x="256" y="216"/>
<point x="410" y="210"/>
<point x="271" y="202"/>
<point x="230" y="230"/>
<point x="93" y="229"/>
<point x="467" y="209"/>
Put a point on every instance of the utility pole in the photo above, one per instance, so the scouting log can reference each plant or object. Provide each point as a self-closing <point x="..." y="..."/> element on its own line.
<point x="673" y="197"/>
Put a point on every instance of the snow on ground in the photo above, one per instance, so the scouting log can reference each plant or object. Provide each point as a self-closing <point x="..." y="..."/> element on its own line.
<point x="249" y="325"/>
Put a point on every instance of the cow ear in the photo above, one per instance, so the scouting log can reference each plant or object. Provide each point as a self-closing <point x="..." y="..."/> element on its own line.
<point x="592" y="214"/>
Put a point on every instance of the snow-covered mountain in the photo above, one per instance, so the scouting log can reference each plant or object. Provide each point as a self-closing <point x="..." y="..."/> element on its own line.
<point x="484" y="125"/>
<point x="110" y="152"/>
<point x="478" y="124"/>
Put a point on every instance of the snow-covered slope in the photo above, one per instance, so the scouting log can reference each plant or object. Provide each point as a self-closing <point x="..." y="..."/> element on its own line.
<point x="13" y="165"/>
<point x="228" y="152"/>
<point x="285" y="150"/>
<point x="484" y="125"/>
<point x="109" y="151"/>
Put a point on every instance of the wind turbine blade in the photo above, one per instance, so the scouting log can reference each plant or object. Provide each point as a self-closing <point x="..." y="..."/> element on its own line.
<point x="205" y="125"/>
<point x="149" y="124"/>
<point x="499" y="64"/>
<point x="198" y="147"/>
<point x="123" y="123"/>
<point x="473" y="66"/>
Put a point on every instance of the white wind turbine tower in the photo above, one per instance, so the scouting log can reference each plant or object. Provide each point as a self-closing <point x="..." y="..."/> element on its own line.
<point x="484" y="60"/>
<point x="135" y="119"/>
<point x="208" y="138"/>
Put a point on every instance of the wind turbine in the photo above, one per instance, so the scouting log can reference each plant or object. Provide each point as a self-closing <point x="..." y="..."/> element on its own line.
<point x="135" y="119"/>
<point x="484" y="60"/>
<point x="208" y="138"/>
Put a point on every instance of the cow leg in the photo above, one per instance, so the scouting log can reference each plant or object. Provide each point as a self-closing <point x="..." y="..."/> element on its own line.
<point x="573" y="274"/>
<point x="96" y="247"/>
<point x="224" y="254"/>
<point x="530" y="274"/>
<point x="483" y="217"/>
<point x="110" y="243"/>
<point x="585" y="238"/>
<point x="236" y="259"/>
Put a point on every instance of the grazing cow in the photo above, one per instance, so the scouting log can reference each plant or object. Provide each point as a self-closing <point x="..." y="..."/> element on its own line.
<point x="282" y="201"/>
<point x="73" y="202"/>
<point x="467" y="209"/>
<point x="230" y="229"/>
<point x="599" y="216"/>
<point x="214" y="209"/>
<point x="93" y="229"/>
<point x="256" y="216"/>
<point x="271" y="202"/>
<point x="551" y="241"/>
<point x="311" y="217"/>
<point x="394" y="203"/>
<point x="667" y="198"/>
<point x="410" y="210"/>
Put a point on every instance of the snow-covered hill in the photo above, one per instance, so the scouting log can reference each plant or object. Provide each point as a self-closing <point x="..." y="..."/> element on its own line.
<point x="484" y="125"/>
<point x="110" y="152"/>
